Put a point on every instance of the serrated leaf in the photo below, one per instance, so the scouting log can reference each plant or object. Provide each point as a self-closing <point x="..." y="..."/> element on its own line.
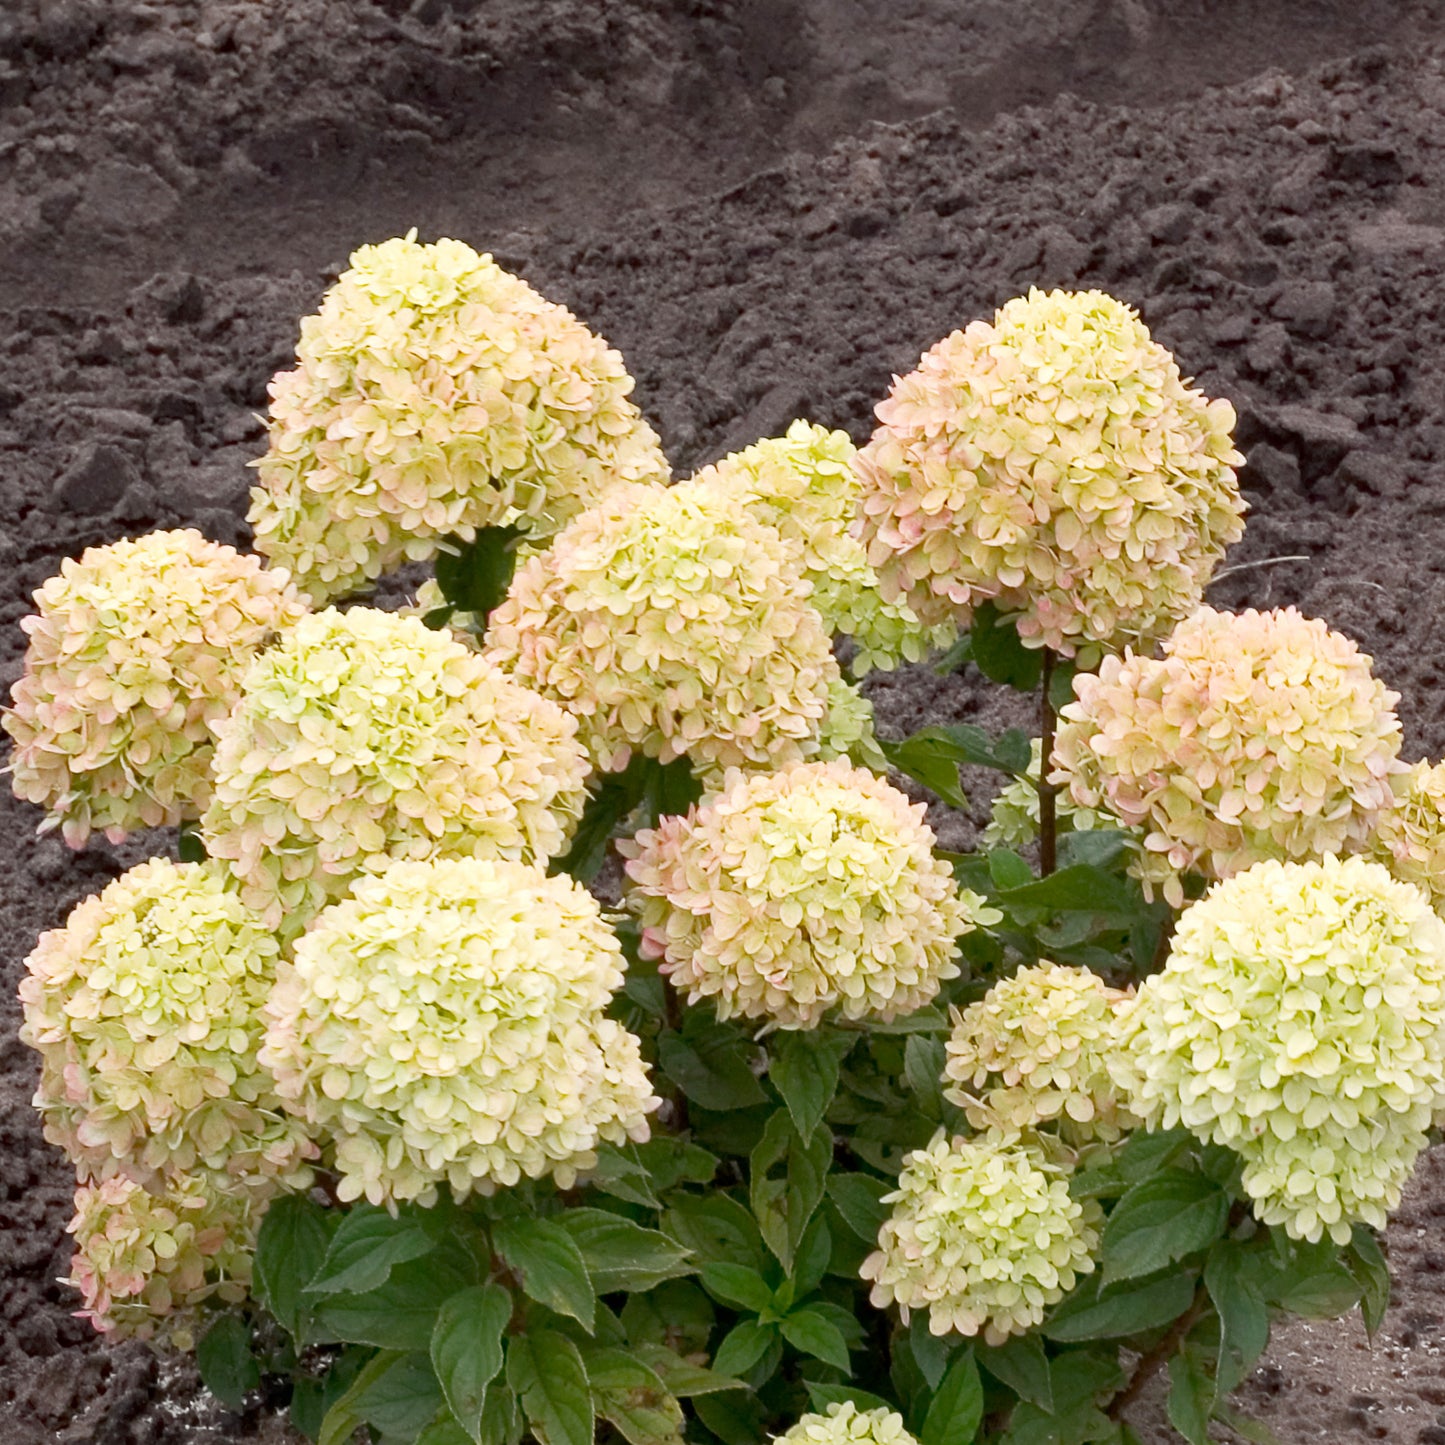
<point x="1242" y="1312"/>
<point x="738" y="1285"/>
<point x="821" y="1396"/>
<point x="190" y="846"/>
<point x="743" y="1346"/>
<point x="290" y="1248"/>
<point x="228" y="1368"/>
<point x="811" y="1332"/>
<point x="709" y="1062"/>
<point x="1079" y="888"/>
<point x="1191" y="1397"/>
<point x="681" y="1376"/>
<point x="810" y="1263"/>
<point x="1125" y="1309"/>
<point x="545" y="1370"/>
<point x="783" y="1205"/>
<point x="466" y="1349"/>
<point x="1021" y="1364"/>
<point x="402" y="1313"/>
<point x="1159" y="1220"/>
<point x="998" y="652"/>
<point x="367" y="1244"/>
<point x="632" y="1396"/>
<point x="859" y="1199"/>
<point x="614" y="798"/>
<point x="1366" y="1262"/>
<point x="803" y="1066"/>
<point x="620" y="1254"/>
<point x="715" y="1227"/>
<point x="736" y="1418"/>
<point x="474" y="576"/>
<point x="396" y="1393"/>
<point x="1008" y="870"/>
<point x="924" y="1057"/>
<point x="549" y="1265"/>
<point x="930" y="760"/>
<point x="930" y="1351"/>
<point x="957" y="1409"/>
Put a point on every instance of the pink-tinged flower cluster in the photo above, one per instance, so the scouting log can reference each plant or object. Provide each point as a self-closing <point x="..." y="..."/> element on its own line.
<point x="1410" y="838"/>
<point x="792" y="893"/>
<point x="435" y="393"/>
<point x="137" y="650"/>
<point x="145" y="1010"/>
<point x="670" y="621"/>
<point x="1256" y="735"/>
<point x="365" y="737"/>
<point x="446" y="1024"/>
<point x="1052" y="462"/>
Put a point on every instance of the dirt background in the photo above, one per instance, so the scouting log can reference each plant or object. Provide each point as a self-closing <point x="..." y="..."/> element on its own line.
<point x="770" y="206"/>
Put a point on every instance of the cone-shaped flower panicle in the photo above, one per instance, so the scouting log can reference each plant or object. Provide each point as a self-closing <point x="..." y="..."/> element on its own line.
<point x="145" y="1259"/>
<point x="436" y="393"/>
<point x="1256" y="735"/>
<point x="1053" y="462"/>
<point x="1035" y="1050"/>
<point x="1014" y="814"/>
<point x="136" y="651"/>
<point x="1410" y="839"/>
<point x="805" y="487"/>
<point x="846" y="1424"/>
<point x="670" y="621"/>
<point x="792" y="893"/>
<point x="444" y="1024"/>
<point x="983" y="1236"/>
<point x="365" y="737"/>
<point x="145" y="1010"/>
<point x="1300" y="1020"/>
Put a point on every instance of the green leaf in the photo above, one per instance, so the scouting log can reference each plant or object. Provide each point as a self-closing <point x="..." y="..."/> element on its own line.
<point x="736" y="1418"/>
<point x="342" y="1420"/>
<point x="443" y="1431"/>
<point x="784" y="1205"/>
<point x="810" y="1263"/>
<point x="1061" y="683"/>
<point x="1243" y="1314"/>
<point x="1324" y="1295"/>
<point x="228" y="1368"/>
<point x="191" y="848"/>
<point x="546" y="1371"/>
<point x="1366" y="1262"/>
<point x="1245" y="1426"/>
<point x="1095" y="847"/>
<point x="677" y="1313"/>
<point x="1144" y="1154"/>
<point x="1121" y="1310"/>
<point x="859" y="1199"/>
<point x="632" y="1396"/>
<point x="710" y="1063"/>
<point x="466" y="1349"/>
<point x="1160" y="1220"/>
<point x="616" y="797"/>
<point x="812" y="1333"/>
<point x="367" y="1244"/>
<point x="821" y="1396"/>
<point x="312" y="1398"/>
<point x="743" y="1346"/>
<point x="957" y="1409"/>
<point x="621" y="1254"/>
<point x="1008" y="870"/>
<point x="290" y="1249"/>
<point x="397" y="1393"/>
<point x="929" y="760"/>
<point x="683" y="1378"/>
<point x="549" y="1265"/>
<point x="1079" y="888"/>
<point x="501" y="1416"/>
<point x="716" y="1227"/>
<point x="803" y="1066"/>
<point x="930" y="1351"/>
<point x="1191" y="1397"/>
<point x="1021" y="1364"/>
<point x="401" y="1314"/>
<point x="738" y="1285"/>
<point x="923" y="1061"/>
<point x="623" y="1175"/>
<point x="474" y="576"/>
<point x="998" y="653"/>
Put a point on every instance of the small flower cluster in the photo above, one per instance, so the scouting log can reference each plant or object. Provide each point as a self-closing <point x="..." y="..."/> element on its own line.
<point x="1014" y="814"/>
<point x="792" y="893"/>
<point x="364" y="737"/>
<point x="435" y="393"/>
<point x="1410" y="838"/>
<point x="804" y="486"/>
<point x="668" y="620"/>
<point x="1052" y="462"/>
<point x="1300" y="1020"/>
<point x="984" y="1236"/>
<point x="137" y="650"/>
<point x="1035" y="1050"/>
<point x="445" y="1024"/>
<point x="846" y="1424"/>
<point x="1256" y="735"/>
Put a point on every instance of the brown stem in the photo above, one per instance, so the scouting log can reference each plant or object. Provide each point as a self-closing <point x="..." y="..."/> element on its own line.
<point x="1150" y="1361"/>
<point x="1048" y="821"/>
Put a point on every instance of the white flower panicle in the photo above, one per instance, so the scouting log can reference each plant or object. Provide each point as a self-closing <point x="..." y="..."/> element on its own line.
<point x="846" y="1424"/>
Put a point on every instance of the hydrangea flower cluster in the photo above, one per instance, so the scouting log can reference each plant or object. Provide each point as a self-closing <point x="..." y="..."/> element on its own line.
<point x="445" y="1024"/>
<point x="436" y="393"/>
<point x="846" y="1424"/>
<point x="984" y="1236"/>
<point x="1410" y="838"/>
<point x="792" y="893"/>
<point x="804" y="486"/>
<point x="1256" y="735"/>
<point x="1014" y="814"/>
<point x="669" y="620"/>
<point x="364" y="737"/>
<point x="136" y="651"/>
<point x="145" y="1010"/>
<point x="1052" y="462"/>
<point x="1035" y="1049"/>
<point x="1300" y="1020"/>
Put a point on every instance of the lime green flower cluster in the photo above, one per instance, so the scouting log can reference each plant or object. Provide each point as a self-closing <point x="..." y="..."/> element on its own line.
<point x="1256" y="735"/>
<point x="804" y="486"/>
<point x="1035" y="1050"/>
<point x="364" y="737"/>
<point x="436" y="393"/>
<point x="846" y="1424"/>
<point x="1410" y="838"/>
<point x="445" y="1025"/>
<point x="1052" y="462"/>
<point x="145" y="1010"/>
<point x="1014" y="814"/>
<point x="1300" y="1020"/>
<point x="670" y="621"/>
<point x="984" y="1236"/>
<point x="792" y="893"/>
<point x="136" y="652"/>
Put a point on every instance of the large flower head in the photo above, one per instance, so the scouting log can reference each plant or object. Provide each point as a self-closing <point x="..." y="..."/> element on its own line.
<point x="804" y="486"/>
<point x="984" y="1236"/>
<point x="365" y="737"/>
<point x="846" y="1424"/>
<point x="792" y="893"/>
<point x="145" y="1009"/>
<point x="670" y="621"/>
<point x="1410" y="838"/>
<point x="1053" y="462"/>
<point x="435" y="393"/>
<point x="1035" y="1049"/>
<point x="1300" y="1020"/>
<point x="1256" y="735"/>
<point x="444" y="1024"/>
<point x="137" y="650"/>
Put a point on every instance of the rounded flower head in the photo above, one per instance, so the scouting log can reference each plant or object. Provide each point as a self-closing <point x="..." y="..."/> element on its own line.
<point x="1256" y="735"/>
<point x="668" y="620"/>
<point x="1300" y="1020"/>
<point x="791" y="893"/>
<point x="846" y="1424"/>
<point x="1035" y="1049"/>
<point x="1410" y="839"/>
<point x="1052" y="462"/>
<point x="435" y="393"/>
<point x="137" y="650"/>
<point x="803" y="485"/>
<point x="444" y="1024"/>
<point x="146" y="1258"/>
<point x="145" y="1010"/>
<point x="983" y="1235"/>
<point x="365" y="737"/>
<point x="1014" y="814"/>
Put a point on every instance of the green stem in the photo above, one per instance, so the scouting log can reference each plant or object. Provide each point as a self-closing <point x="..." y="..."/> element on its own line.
<point x="1048" y="818"/>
